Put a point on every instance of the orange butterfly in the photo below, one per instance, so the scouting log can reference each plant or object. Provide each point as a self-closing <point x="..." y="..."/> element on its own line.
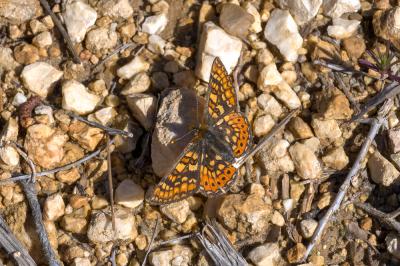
<point x="208" y="163"/>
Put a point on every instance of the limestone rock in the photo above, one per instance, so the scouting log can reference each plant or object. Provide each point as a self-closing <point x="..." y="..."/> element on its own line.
<point x="54" y="207"/>
<point x="235" y="20"/>
<point x="101" y="39"/>
<point x="129" y="194"/>
<point x="100" y="227"/>
<point x="305" y="161"/>
<point x="381" y="170"/>
<point x="336" y="8"/>
<point x="265" y="255"/>
<point x="214" y="42"/>
<point x="77" y="98"/>
<point x="336" y="158"/>
<point x="19" y="11"/>
<point x="343" y="28"/>
<point x="115" y="8"/>
<point x="78" y="18"/>
<point x="39" y="78"/>
<point x="281" y="30"/>
<point x="155" y="24"/>
<point x="177" y="212"/>
<point x="143" y="108"/>
<point x="137" y="65"/>
<point x="177" y="255"/>
<point x="303" y="10"/>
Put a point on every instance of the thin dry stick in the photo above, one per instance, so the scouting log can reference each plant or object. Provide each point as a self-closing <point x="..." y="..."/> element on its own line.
<point x="376" y="125"/>
<point x="63" y="32"/>
<point x="55" y="170"/>
<point x="266" y="139"/>
<point x="110" y="185"/>
<point x="155" y="232"/>
<point x="30" y="192"/>
<point x="109" y="130"/>
<point x="119" y="49"/>
<point x="387" y="218"/>
<point x="13" y="247"/>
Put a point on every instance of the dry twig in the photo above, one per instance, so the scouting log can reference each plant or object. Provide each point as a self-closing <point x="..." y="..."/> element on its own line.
<point x="55" y="170"/>
<point x="63" y="32"/>
<point x="387" y="218"/>
<point x="13" y="247"/>
<point x="375" y="126"/>
<point x="155" y="232"/>
<point x="29" y="188"/>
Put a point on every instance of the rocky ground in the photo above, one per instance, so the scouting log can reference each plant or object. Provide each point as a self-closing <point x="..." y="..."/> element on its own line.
<point x="139" y="66"/>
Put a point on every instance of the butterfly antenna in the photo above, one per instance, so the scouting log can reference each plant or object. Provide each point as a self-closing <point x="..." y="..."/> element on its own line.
<point x="174" y="140"/>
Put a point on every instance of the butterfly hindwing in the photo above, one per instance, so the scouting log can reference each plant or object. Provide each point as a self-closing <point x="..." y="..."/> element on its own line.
<point x="182" y="181"/>
<point x="235" y="130"/>
<point x="216" y="173"/>
<point x="221" y="97"/>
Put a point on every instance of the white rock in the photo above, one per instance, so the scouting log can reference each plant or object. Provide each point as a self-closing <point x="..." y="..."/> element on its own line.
<point x="7" y="61"/>
<point x="143" y="107"/>
<point x="269" y="75"/>
<point x="262" y="125"/>
<point x="77" y="98"/>
<point x="19" y="99"/>
<point x="285" y="93"/>
<point x="156" y="44"/>
<point x="104" y="116"/>
<point x="78" y="18"/>
<point x="177" y="212"/>
<point x="252" y="10"/>
<point x="10" y="131"/>
<point x="281" y="30"/>
<point x="393" y="245"/>
<point x="277" y="219"/>
<point x="269" y="105"/>
<point x="101" y="39"/>
<point x="43" y="39"/>
<point x="129" y="194"/>
<point x="45" y="110"/>
<point x="155" y="24"/>
<point x="39" y="78"/>
<point x="138" y="64"/>
<point x="265" y="255"/>
<point x="54" y="207"/>
<point x="139" y="83"/>
<point x="214" y="41"/>
<point x="305" y="161"/>
<point x="336" y="8"/>
<point x="100" y="228"/>
<point x="81" y="262"/>
<point x="381" y="170"/>
<point x="288" y="205"/>
<point x="116" y="8"/>
<point x="307" y="227"/>
<point x="175" y="256"/>
<point x="9" y="157"/>
<point x="302" y="10"/>
<point x="327" y="131"/>
<point x="343" y="28"/>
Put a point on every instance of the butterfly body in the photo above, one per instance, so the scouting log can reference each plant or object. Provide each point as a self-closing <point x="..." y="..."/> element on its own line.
<point x="207" y="165"/>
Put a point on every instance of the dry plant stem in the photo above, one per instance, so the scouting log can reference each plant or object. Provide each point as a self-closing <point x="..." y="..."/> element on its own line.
<point x="13" y="247"/>
<point x="346" y="91"/>
<point x="266" y="139"/>
<point x="151" y="242"/>
<point x="30" y="193"/>
<point x="376" y="124"/>
<point x="109" y="130"/>
<point x="342" y="69"/>
<point x="110" y="185"/>
<point x="119" y="49"/>
<point x="55" y="170"/>
<point x="62" y="30"/>
<point x="387" y="218"/>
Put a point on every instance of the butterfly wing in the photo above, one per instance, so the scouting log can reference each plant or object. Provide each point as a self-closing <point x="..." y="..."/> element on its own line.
<point x="235" y="130"/>
<point x="183" y="180"/>
<point x="216" y="173"/>
<point x="221" y="98"/>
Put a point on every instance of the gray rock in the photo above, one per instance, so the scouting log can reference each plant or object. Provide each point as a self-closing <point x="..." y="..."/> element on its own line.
<point x="19" y="11"/>
<point x="265" y="255"/>
<point x="175" y="118"/>
<point x="235" y="20"/>
<point x="302" y="10"/>
<point x="143" y="108"/>
<point x="382" y="171"/>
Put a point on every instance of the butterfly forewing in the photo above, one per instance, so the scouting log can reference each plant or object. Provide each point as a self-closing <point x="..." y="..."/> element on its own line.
<point x="182" y="181"/>
<point x="221" y="97"/>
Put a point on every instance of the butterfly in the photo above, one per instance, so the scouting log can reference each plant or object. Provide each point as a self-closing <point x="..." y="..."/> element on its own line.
<point x="207" y="164"/>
